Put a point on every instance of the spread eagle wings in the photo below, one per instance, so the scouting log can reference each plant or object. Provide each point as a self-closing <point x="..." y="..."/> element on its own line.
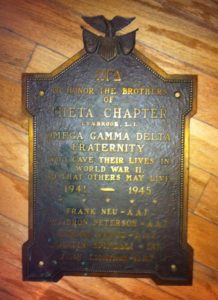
<point x="100" y="22"/>
<point x="127" y="41"/>
<point x="90" y="39"/>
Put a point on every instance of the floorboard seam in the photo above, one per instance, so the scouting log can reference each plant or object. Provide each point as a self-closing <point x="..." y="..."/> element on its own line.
<point x="13" y="174"/>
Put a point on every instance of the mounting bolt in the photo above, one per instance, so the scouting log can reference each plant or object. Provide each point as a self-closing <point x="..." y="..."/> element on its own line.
<point x="177" y="94"/>
<point x="41" y="264"/>
<point x="41" y="93"/>
<point x="173" y="268"/>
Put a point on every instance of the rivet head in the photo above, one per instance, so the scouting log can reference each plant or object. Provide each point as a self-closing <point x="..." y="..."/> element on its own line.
<point x="173" y="268"/>
<point x="177" y="94"/>
<point x="41" y="93"/>
<point x="41" y="263"/>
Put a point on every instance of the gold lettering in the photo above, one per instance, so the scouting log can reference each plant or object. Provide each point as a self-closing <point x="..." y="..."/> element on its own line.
<point x="153" y="136"/>
<point x="134" y="177"/>
<point x="72" y="112"/>
<point x="141" y="160"/>
<point x="159" y="178"/>
<point x="64" y="135"/>
<point x="109" y="211"/>
<point x="104" y="177"/>
<point x="117" y="76"/>
<point x="121" y="113"/>
<point x="114" y="223"/>
<point x="110" y="160"/>
<point x="119" y="169"/>
<point x="109" y="136"/>
<point x="144" y="91"/>
<point x="107" y="148"/>
<point x="108" y="75"/>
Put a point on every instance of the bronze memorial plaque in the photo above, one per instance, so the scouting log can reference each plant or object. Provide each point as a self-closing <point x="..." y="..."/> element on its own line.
<point x="109" y="135"/>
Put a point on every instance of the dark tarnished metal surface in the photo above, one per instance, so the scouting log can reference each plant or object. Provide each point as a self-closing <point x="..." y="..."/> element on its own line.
<point x="109" y="160"/>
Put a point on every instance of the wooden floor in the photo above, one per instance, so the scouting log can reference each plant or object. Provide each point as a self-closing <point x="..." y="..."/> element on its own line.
<point x="181" y="37"/>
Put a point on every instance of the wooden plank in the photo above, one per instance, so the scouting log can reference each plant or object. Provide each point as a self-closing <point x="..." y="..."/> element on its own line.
<point x="162" y="30"/>
<point x="207" y="104"/>
<point x="167" y="32"/>
<point x="207" y="94"/>
<point x="198" y="180"/>
<point x="118" y="288"/>
<point x="208" y="205"/>
<point x="204" y="285"/>
<point x="12" y="236"/>
<point x="45" y="60"/>
<point x="203" y="12"/>
<point x="12" y="124"/>
<point x="13" y="62"/>
<point x="12" y="287"/>
<point x="14" y="151"/>
<point x="14" y="197"/>
<point x="202" y="236"/>
<point x="204" y="146"/>
<point x="44" y="23"/>
<point x="11" y="106"/>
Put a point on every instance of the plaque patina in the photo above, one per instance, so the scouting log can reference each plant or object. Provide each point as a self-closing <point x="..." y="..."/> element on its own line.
<point x="109" y="134"/>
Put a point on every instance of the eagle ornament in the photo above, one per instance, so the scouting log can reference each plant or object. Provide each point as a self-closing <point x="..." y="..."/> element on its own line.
<point x="110" y="45"/>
